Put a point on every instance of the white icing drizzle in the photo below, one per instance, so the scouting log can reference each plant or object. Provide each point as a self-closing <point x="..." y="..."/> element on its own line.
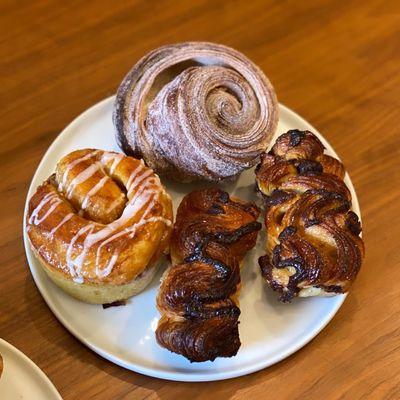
<point x="36" y="211"/>
<point x="68" y="258"/>
<point x="93" y="191"/>
<point x="54" y="202"/>
<point x="121" y="233"/>
<point x="54" y="205"/>
<point x="107" y="234"/>
<point x="133" y="229"/>
<point x="133" y="174"/>
<point x="71" y="165"/>
<point x="63" y="221"/>
<point x="114" y="204"/>
<point x="82" y="177"/>
<point x="116" y="158"/>
<point x="138" y="180"/>
<point x="144" y="198"/>
<point x="102" y="273"/>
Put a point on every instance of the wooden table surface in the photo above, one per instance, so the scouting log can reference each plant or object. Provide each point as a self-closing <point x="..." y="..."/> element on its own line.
<point x="334" y="62"/>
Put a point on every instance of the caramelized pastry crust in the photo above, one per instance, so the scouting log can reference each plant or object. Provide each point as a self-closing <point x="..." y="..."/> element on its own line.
<point x="198" y="294"/>
<point x="195" y="110"/>
<point x="313" y="242"/>
<point x="102" y="219"/>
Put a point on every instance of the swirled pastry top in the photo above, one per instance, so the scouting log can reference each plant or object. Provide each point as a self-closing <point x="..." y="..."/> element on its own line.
<point x="196" y="110"/>
<point x="102" y="217"/>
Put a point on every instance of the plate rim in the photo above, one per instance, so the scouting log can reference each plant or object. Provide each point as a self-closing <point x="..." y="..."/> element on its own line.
<point x="38" y="371"/>
<point x="154" y="372"/>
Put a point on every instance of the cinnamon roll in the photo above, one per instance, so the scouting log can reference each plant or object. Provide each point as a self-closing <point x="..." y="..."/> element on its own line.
<point x="195" y="110"/>
<point x="198" y="296"/>
<point x="99" y="225"/>
<point x="313" y="242"/>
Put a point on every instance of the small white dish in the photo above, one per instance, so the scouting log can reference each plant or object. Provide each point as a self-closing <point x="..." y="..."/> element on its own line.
<point x="22" y="378"/>
<point x="269" y="331"/>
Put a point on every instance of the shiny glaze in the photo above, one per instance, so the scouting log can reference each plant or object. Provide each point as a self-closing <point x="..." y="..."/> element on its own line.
<point x="93" y="249"/>
<point x="312" y="236"/>
<point x="198" y="294"/>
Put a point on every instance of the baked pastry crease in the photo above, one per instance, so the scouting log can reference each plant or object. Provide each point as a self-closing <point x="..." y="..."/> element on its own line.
<point x="197" y="298"/>
<point x="195" y="110"/>
<point x="313" y="243"/>
<point x="100" y="224"/>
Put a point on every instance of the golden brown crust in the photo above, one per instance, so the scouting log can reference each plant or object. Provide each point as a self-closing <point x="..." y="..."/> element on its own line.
<point x="195" y="110"/>
<point x="313" y="243"/>
<point x="102" y="218"/>
<point x="197" y="297"/>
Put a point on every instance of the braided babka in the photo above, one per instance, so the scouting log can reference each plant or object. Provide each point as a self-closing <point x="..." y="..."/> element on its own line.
<point x="198" y="294"/>
<point x="313" y="242"/>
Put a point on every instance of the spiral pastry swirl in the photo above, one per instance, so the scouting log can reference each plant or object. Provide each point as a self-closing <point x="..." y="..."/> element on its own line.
<point x="198" y="294"/>
<point x="99" y="225"/>
<point x="195" y="111"/>
<point x="313" y="243"/>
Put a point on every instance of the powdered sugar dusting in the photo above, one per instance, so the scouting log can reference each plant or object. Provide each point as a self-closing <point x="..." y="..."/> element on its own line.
<point x="210" y="122"/>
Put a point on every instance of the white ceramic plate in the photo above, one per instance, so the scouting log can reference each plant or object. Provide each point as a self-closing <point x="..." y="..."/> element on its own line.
<point x="269" y="330"/>
<point x="22" y="378"/>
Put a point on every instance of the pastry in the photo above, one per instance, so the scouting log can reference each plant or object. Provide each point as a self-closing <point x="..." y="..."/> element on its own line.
<point x="198" y="296"/>
<point x="313" y="242"/>
<point x="195" y="110"/>
<point x="99" y="225"/>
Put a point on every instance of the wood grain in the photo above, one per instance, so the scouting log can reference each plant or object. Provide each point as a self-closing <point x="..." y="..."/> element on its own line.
<point x="336" y="63"/>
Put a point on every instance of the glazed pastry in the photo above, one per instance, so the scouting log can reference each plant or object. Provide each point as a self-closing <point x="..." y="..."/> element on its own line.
<point x="195" y="110"/>
<point x="198" y="297"/>
<point x="99" y="225"/>
<point x="313" y="242"/>
<point x="1" y="365"/>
